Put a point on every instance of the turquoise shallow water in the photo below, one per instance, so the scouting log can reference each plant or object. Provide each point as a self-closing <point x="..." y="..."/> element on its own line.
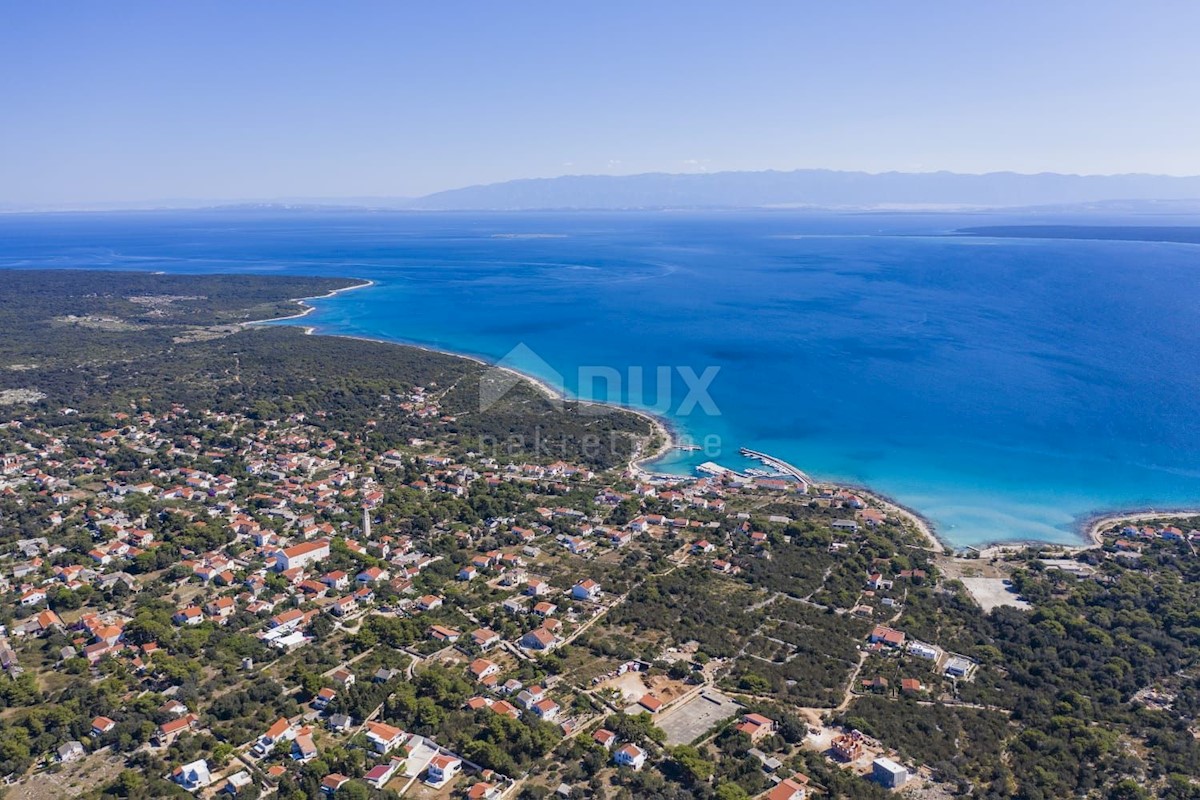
<point x="1004" y="388"/>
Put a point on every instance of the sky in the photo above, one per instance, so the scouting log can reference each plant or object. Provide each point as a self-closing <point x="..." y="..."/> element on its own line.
<point x="228" y="100"/>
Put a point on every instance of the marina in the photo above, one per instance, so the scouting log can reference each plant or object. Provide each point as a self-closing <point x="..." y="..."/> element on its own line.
<point x="781" y="467"/>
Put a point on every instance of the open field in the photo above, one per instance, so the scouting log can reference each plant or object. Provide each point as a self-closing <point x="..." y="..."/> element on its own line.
<point x="691" y="720"/>
<point x="991" y="593"/>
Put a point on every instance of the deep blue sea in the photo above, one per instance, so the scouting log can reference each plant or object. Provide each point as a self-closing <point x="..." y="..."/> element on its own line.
<point x="1004" y="388"/>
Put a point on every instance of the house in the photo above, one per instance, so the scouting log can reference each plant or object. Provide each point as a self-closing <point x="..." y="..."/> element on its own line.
<point x="756" y="726"/>
<point x="383" y="675"/>
<point x="545" y="609"/>
<point x="331" y="783"/>
<point x="384" y="738"/>
<point x="577" y="546"/>
<point x="629" y="755"/>
<point x="620" y="538"/>
<point x="340" y="723"/>
<point x="304" y="749"/>
<point x="324" y="697"/>
<point x="536" y="588"/>
<point x="222" y="608"/>
<point x="484" y="791"/>
<point x="650" y="703"/>
<point x="301" y="555"/>
<point x="505" y="709"/>
<point x="442" y="768"/>
<point x="371" y="575"/>
<point x="911" y="686"/>
<point x="482" y="668"/>
<point x="468" y="573"/>
<point x="429" y="602"/>
<point x="538" y="639"/>
<point x="192" y="615"/>
<point x="343" y="677"/>
<point x="280" y="730"/>
<point x="514" y="605"/>
<point x="380" y="774"/>
<point x="102" y="725"/>
<point x="236" y="782"/>
<point x="545" y="710"/>
<point x="878" y="684"/>
<point x="71" y="751"/>
<point x="876" y="582"/>
<point x="192" y="776"/>
<point x="888" y="636"/>
<point x="288" y="620"/>
<point x="959" y="667"/>
<point x="888" y="773"/>
<point x="33" y="597"/>
<point x="586" y="589"/>
<point x="849" y="746"/>
<point x="444" y="634"/>
<point x="604" y="738"/>
<point x="793" y="788"/>
<point x="485" y="638"/>
<point x="169" y="731"/>
<point x="173" y="708"/>
<point x="336" y="580"/>
<point x="769" y="763"/>
<point x="534" y="694"/>
<point x="343" y="606"/>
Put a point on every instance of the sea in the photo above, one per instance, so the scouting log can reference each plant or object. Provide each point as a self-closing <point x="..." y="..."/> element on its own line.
<point x="1006" y="388"/>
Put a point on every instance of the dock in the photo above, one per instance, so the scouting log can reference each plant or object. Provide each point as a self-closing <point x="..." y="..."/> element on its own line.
<point x="778" y="466"/>
<point x="712" y="468"/>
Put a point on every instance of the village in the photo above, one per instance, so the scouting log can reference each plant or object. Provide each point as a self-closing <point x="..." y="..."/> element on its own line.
<point x="164" y="532"/>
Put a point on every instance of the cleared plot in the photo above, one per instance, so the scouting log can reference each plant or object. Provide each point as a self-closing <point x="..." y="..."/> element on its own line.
<point x="72" y="780"/>
<point x="991" y="593"/>
<point x="691" y="720"/>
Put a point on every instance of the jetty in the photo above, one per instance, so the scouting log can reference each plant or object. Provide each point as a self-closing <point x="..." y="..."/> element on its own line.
<point x="779" y="466"/>
<point x="713" y="468"/>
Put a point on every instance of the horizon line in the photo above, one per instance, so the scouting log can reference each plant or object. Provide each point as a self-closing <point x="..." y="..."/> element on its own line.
<point x="354" y="200"/>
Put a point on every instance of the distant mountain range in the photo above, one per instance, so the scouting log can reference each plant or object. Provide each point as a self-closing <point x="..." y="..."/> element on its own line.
<point x="800" y="189"/>
<point x="815" y="188"/>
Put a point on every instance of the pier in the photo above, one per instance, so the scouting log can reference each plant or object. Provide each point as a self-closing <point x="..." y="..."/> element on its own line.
<point x="779" y="466"/>
<point x="712" y="468"/>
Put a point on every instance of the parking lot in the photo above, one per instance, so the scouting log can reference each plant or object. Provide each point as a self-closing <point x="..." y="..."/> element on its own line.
<point x="688" y="722"/>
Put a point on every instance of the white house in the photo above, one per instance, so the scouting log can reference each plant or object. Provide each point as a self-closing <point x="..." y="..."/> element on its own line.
<point x="192" y="776"/>
<point x="384" y="738"/>
<point x="442" y="768"/>
<point x="586" y="589"/>
<point x="302" y="555"/>
<point x="629" y="755"/>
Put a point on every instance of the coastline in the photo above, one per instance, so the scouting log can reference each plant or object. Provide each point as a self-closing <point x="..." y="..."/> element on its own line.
<point x="658" y="426"/>
<point x="1089" y="528"/>
<point x="306" y="308"/>
<point x="923" y="525"/>
<point x="1097" y="524"/>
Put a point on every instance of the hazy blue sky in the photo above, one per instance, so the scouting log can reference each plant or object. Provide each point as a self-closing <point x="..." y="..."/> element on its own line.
<point x="137" y="100"/>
